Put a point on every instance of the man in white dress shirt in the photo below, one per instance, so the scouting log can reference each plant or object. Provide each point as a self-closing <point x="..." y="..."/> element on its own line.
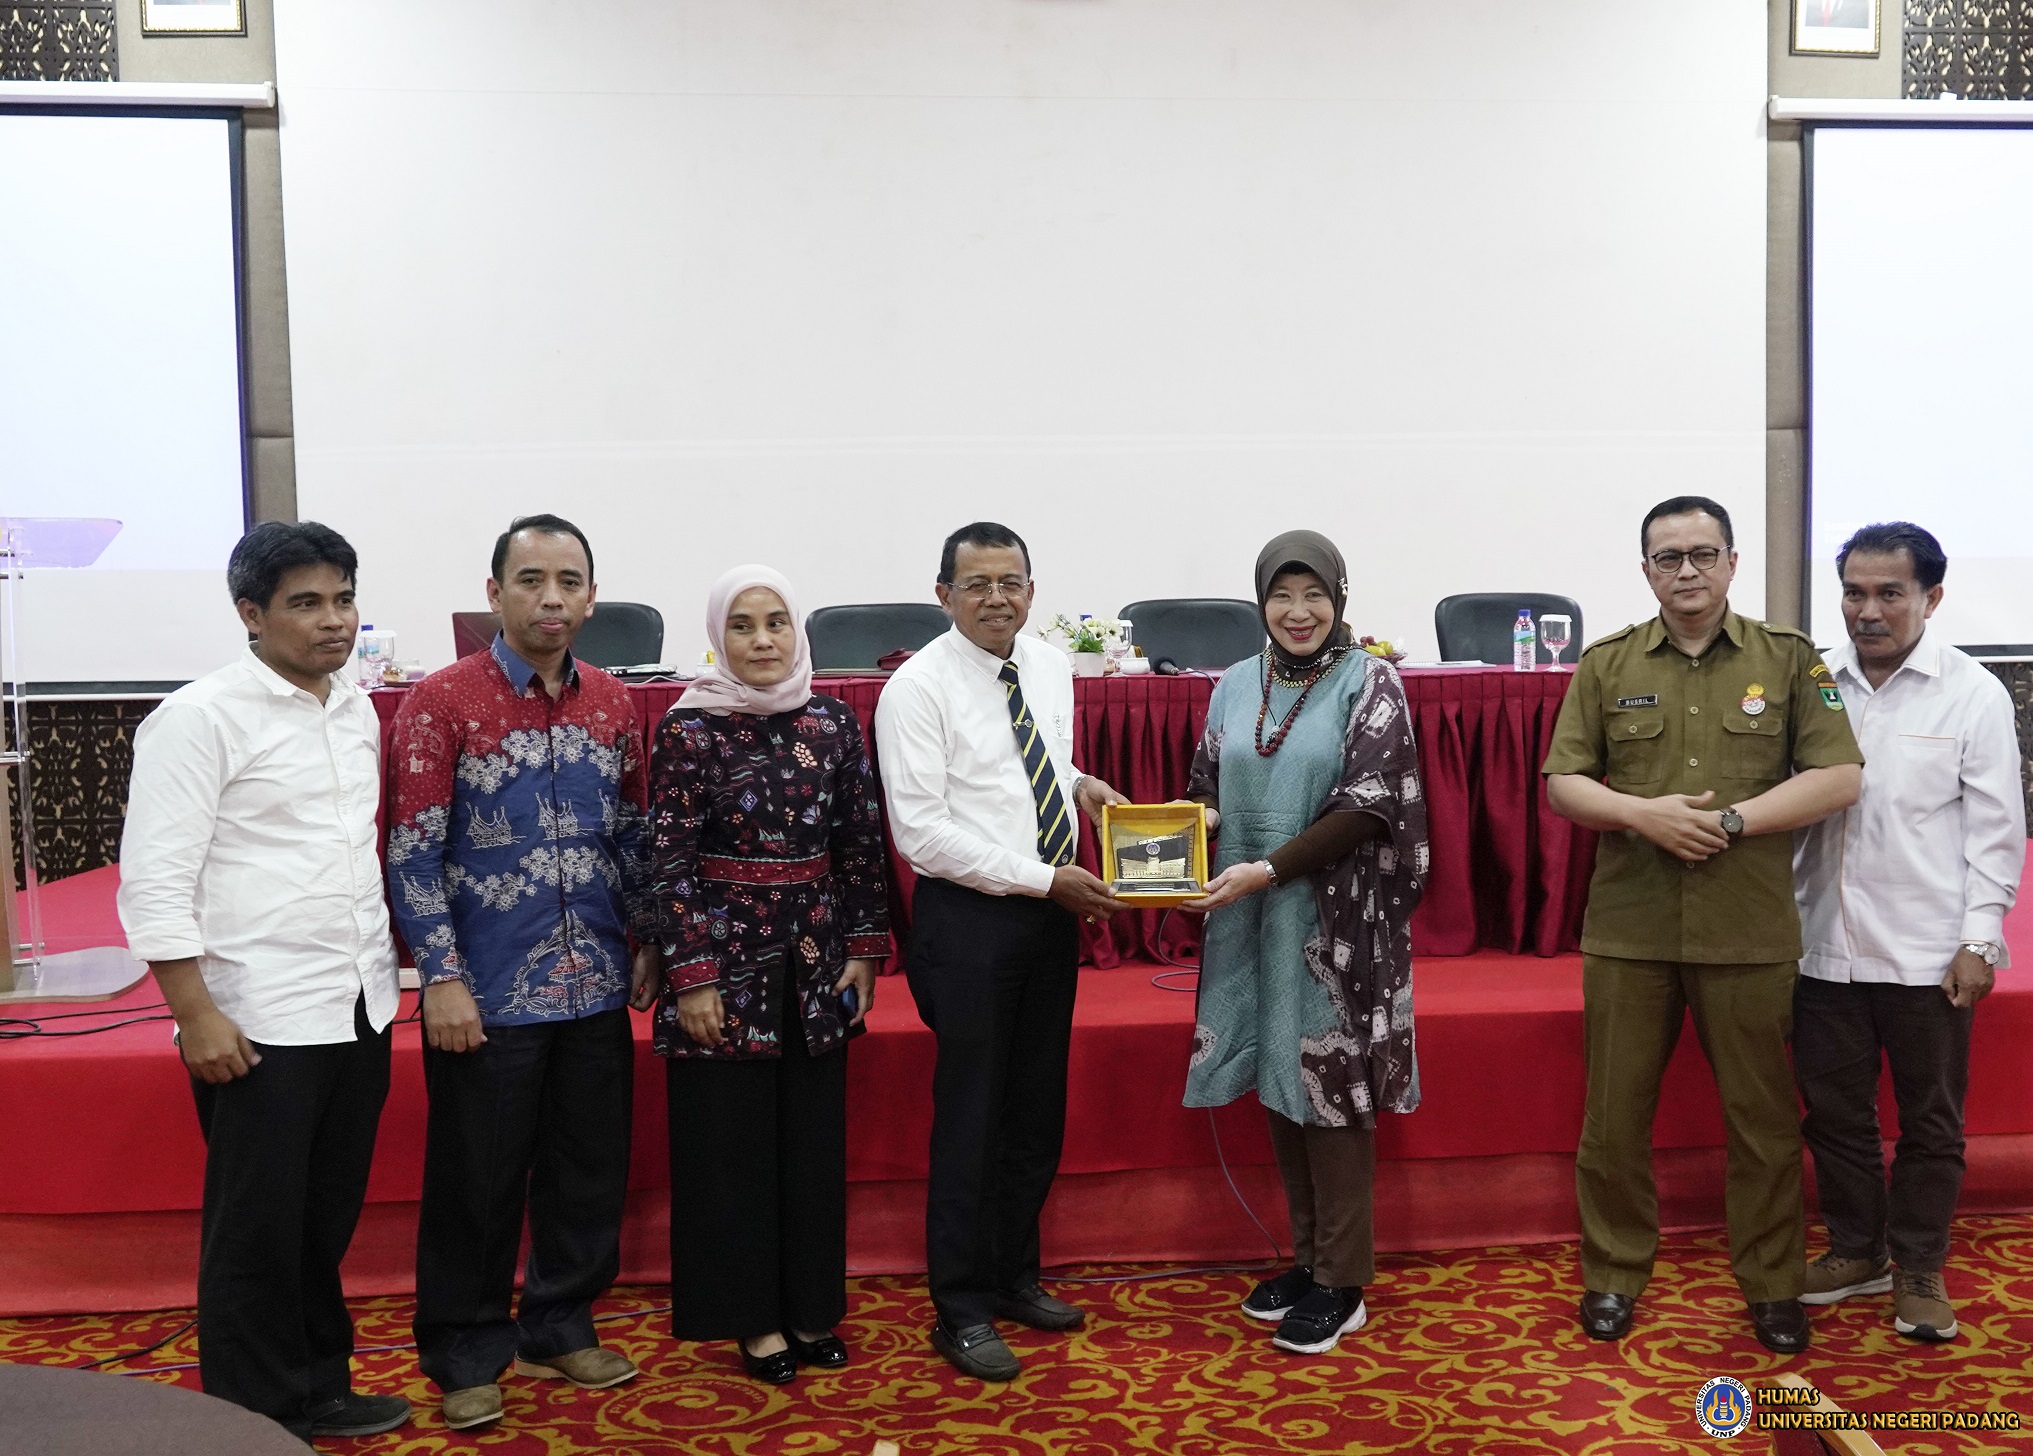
<point x="1902" y="906"/>
<point x="975" y="738"/>
<point x="250" y="881"/>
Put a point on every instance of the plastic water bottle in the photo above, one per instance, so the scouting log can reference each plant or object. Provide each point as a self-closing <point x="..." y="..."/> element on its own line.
<point x="1524" y="642"/>
<point x="372" y="653"/>
<point x="366" y="671"/>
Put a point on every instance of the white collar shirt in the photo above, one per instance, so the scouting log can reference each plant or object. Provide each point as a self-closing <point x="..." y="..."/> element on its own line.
<point x="1930" y="856"/>
<point x="960" y="801"/>
<point x="251" y="844"/>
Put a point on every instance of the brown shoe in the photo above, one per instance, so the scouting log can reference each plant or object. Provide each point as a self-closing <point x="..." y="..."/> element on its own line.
<point x="592" y="1368"/>
<point x="1834" y="1277"/>
<point x="1920" y="1306"/>
<point x="476" y="1405"/>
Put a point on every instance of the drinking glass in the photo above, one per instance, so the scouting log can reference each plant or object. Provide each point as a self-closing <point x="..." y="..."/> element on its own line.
<point x="1555" y="632"/>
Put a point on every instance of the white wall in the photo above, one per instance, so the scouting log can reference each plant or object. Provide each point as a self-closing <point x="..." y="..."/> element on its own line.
<point x="1467" y="286"/>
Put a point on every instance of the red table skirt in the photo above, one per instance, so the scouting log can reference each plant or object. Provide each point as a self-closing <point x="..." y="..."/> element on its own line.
<point x="1508" y="873"/>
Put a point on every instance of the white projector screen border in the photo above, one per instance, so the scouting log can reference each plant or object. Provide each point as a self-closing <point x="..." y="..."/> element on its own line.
<point x="146" y="299"/>
<point x="1916" y="403"/>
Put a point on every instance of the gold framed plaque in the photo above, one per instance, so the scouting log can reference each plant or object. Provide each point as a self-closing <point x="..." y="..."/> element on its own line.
<point x="1154" y="854"/>
<point x="1835" y="27"/>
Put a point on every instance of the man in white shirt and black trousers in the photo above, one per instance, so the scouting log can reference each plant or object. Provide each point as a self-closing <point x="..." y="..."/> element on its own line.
<point x="250" y="881"/>
<point x="1902" y="906"/>
<point x="975" y="738"/>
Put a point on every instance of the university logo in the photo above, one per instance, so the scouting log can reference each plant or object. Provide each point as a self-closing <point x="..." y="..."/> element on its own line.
<point x="1723" y="1407"/>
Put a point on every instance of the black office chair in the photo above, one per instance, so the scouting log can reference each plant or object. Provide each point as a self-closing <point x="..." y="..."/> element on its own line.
<point x="1196" y="632"/>
<point x="621" y="634"/>
<point x="1477" y="626"/>
<point x="473" y="632"/>
<point x="863" y="633"/>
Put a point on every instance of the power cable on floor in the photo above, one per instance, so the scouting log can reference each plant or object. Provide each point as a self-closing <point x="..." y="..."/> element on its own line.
<point x="126" y="1355"/>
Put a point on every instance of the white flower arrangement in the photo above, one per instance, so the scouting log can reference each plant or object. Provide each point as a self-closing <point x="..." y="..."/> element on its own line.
<point x="1087" y="633"/>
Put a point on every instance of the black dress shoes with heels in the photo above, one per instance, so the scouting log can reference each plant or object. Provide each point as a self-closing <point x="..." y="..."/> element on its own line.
<point x="824" y="1353"/>
<point x="778" y="1369"/>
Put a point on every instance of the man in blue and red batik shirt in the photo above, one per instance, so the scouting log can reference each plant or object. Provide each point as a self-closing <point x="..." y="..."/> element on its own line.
<point x="515" y="860"/>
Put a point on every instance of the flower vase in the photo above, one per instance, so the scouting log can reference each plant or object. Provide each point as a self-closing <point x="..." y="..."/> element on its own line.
<point x="1089" y="664"/>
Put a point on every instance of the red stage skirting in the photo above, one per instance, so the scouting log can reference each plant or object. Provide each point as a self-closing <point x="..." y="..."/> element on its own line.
<point x="1508" y="873"/>
<point x="99" y="1206"/>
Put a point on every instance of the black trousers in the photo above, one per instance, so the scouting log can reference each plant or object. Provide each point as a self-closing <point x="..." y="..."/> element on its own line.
<point x="536" y="1118"/>
<point x="1842" y="1033"/>
<point x="994" y="977"/>
<point x="287" y="1149"/>
<point x="758" y="1190"/>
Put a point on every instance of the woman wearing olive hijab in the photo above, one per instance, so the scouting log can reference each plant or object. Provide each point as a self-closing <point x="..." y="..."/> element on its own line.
<point x="1306" y="966"/>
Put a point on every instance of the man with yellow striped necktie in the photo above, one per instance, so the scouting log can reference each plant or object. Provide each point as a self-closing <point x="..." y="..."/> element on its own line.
<point x="975" y="739"/>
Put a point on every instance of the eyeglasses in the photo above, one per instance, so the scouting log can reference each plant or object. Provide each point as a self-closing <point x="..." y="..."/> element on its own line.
<point x="1703" y="557"/>
<point x="977" y="590"/>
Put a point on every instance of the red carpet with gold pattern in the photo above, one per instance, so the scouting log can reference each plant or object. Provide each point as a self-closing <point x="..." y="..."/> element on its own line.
<point x="1468" y="1353"/>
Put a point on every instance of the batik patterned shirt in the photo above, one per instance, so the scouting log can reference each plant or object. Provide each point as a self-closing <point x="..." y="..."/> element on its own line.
<point x="767" y="858"/>
<point x="515" y="846"/>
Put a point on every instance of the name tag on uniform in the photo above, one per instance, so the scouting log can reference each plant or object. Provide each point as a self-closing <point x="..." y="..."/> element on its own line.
<point x="1649" y="700"/>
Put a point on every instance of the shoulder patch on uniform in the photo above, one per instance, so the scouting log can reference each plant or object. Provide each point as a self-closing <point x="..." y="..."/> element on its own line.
<point x="1820" y="669"/>
<point x="1616" y="636"/>
<point x="1647" y="700"/>
<point x="1833" y="698"/>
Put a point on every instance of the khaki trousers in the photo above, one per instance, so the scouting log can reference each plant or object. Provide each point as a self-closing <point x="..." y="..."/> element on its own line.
<point x="1330" y="1176"/>
<point x="1743" y="1014"/>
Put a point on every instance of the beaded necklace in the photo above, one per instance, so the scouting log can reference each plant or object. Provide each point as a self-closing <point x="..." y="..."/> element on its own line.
<point x="1305" y="682"/>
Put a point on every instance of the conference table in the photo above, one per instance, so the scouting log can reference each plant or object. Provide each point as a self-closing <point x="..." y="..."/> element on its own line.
<point x="1507" y="873"/>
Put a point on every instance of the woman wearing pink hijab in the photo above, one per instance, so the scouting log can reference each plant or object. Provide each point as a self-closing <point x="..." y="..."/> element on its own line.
<point x="768" y="876"/>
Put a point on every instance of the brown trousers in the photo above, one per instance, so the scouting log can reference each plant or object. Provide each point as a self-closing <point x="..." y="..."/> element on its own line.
<point x="1330" y="1177"/>
<point x="1631" y="1016"/>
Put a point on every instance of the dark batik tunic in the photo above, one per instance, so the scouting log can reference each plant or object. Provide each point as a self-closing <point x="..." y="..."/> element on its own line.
<point x="767" y="870"/>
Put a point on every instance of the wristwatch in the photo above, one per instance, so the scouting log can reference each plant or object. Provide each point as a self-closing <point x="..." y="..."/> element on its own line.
<point x="1270" y="871"/>
<point x="1984" y="951"/>
<point x="1732" y="824"/>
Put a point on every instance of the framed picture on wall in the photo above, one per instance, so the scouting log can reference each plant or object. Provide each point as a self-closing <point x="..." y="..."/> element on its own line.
<point x="1835" y="27"/>
<point x="193" y="17"/>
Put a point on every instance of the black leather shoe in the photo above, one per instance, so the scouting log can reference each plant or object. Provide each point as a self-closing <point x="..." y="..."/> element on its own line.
<point x="354" y="1414"/>
<point x="977" y="1350"/>
<point x="824" y="1353"/>
<point x="1606" y="1316"/>
<point x="778" y="1369"/>
<point x="1781" y="1325"/>
<point x="1031" y="1306"/>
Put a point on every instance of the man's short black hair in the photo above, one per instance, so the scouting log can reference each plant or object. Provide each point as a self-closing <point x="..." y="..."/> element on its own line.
<point x="550" y="525"/>
<point x="979" y="533"/>
<point x="1930" y="562"/>
<point x="1682" y="505"/>
<point x="274" y="548"/>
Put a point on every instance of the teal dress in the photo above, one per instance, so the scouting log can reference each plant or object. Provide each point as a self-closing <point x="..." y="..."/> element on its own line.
<point x="1317" y="1024"/>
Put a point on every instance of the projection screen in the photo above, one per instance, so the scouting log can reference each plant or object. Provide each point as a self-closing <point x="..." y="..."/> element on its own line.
<point x="1920" y="373"/>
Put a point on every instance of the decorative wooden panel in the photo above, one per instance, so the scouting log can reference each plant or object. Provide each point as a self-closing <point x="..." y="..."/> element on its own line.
<point x="58" y="42"/>
<point x="1981" y="50"/>
<point x="84" y="755"/>
<point x="2018" y="676"/>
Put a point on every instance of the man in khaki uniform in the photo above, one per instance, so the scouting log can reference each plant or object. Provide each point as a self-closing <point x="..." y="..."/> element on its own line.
<point x="1695" y="743"/>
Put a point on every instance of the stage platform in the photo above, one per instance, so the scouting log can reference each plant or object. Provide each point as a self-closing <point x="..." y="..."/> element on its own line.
<point x="104" y="1166"/>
